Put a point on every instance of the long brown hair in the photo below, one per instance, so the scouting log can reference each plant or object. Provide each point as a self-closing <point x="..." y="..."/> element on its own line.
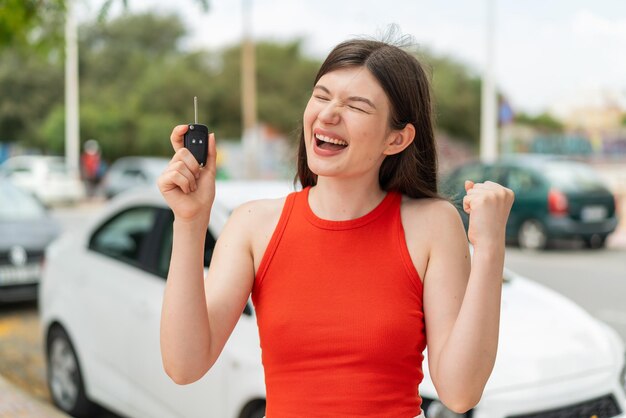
<point x="412" y="172"/>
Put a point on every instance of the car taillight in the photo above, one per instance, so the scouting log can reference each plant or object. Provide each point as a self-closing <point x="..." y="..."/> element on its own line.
<point x="557" y="203"/>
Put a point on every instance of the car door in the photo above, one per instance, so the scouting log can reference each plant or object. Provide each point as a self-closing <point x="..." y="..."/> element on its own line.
<point x="530" y="197"/>
<point x="453" y="186"/>
<point x="115" y="255"/>
<point x="155" y="394"/>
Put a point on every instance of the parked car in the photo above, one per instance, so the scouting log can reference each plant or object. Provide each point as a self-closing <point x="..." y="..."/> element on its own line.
<point x="26" y="229"/>
<point x="555" y="198"/>
<point x="46" y="177"/>
<point x="100" y="305"/>
<point x="130" y="172"/>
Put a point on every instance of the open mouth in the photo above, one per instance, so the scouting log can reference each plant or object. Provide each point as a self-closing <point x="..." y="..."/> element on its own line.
<point x="330" y="144"/>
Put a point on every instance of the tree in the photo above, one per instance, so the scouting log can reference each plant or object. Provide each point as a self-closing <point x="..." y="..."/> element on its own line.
<point x="456" y="92"/>
<point x="34" y="23"/>
<point x="136" y="83"/>
<point x="284" y="82"/>
<point x="31" y="84"/>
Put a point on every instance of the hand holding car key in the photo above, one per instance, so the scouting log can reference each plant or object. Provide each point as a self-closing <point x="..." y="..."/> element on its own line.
<point x="197" y="137"/>
<point x="188" y="183"/>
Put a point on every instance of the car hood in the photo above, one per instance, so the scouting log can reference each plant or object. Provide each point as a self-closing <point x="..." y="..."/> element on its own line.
<point x="32" y="233"/>
<point x="544" y="337"/>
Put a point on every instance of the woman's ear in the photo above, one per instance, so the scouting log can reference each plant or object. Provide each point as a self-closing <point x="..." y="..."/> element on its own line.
<point x="399" y="139"/>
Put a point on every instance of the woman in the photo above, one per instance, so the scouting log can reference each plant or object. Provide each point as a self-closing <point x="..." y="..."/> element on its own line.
<point x="352" y="275"/>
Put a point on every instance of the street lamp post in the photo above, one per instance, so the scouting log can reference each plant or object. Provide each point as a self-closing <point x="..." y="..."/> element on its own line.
<point x="488" y="105"/>
<point x="250" y="136"/>
<point x="72" y="143"/>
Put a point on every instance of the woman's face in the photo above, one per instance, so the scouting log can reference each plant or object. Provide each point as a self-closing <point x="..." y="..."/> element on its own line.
<point x="346" y="129"/>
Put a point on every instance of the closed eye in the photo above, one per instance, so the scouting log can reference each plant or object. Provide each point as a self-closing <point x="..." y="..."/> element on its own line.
<point x="322" y="98"/>
<point x="357" y="108"/>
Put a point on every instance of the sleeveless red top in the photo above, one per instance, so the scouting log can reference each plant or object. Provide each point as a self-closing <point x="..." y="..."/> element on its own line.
<point x="340" y="315"/>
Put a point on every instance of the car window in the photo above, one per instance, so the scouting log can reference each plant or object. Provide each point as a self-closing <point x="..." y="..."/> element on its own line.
<point x="18" y="170"/>
<point x="454" y="187"/>
<point x="122" y="237"/>
<point x="133" y="172"/>
<point x="165" y="250"/>
<point x="570" y="176"/>
<point x="521" y="181"/>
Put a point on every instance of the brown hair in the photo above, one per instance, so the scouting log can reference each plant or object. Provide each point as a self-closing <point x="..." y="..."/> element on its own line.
<point x="412" y="172"/>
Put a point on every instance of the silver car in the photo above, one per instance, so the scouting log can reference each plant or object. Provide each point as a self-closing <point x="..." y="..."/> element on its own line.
<point x="26" y="229"/>
<point x="132" y="172"/>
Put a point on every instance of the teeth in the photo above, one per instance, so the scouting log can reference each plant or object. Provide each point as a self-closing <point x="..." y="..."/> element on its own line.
<point x="331" y="140"/>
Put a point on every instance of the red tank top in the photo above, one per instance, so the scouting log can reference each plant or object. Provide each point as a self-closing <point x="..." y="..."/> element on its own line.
<point x="340" y="316"/>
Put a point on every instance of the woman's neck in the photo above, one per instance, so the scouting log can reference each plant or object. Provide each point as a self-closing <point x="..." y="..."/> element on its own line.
<point x="344" y="199"/>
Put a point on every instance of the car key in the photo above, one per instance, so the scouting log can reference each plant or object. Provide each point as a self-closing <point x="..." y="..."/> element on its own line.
<point x="196" y="139"/>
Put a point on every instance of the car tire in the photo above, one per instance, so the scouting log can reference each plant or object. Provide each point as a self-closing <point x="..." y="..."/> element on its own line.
<point x="65" y="380"/>
<point x="532" y="235"/>
<point x="255" y="409"/>
<point x="596" y="241"/>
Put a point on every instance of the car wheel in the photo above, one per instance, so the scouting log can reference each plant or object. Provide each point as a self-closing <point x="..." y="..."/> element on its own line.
<point x="255" y="409"/>
<point x="595" y="241"/>
<point x="65" y="381"/>
<point x="532" y="235"/>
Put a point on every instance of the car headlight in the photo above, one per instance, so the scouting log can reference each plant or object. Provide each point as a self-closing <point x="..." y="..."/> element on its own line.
<point x="436" y="409"/>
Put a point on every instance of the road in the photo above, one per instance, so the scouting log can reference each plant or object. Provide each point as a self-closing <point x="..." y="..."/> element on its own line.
<point x="595" y="279"/>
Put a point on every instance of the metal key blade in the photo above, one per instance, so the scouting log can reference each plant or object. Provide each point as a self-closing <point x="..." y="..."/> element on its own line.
<point x="195" y="109"/>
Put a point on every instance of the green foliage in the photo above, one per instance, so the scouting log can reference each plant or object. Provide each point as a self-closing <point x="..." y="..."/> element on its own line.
<point x="456" y="92"/>
<point x="137" y="82"/>
<point x="30" y="84"/>
<point x="34" y="23"/>
<point x="284" y="82"/>
<point x="543" y="122"/>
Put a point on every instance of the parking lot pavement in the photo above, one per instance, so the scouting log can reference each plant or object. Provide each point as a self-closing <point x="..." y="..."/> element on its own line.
<point x="14" y="403"/>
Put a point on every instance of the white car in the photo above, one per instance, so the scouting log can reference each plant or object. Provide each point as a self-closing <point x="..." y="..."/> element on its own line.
<point x="46" y="177"/>
<point x="132" y="172"/>
<point x="100" y="304"/>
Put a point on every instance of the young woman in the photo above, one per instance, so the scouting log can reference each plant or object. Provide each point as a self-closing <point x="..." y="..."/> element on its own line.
<point x="353" y="276"/>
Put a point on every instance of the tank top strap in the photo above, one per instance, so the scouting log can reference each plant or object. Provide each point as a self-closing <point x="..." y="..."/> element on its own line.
<point x="276" y="236"/>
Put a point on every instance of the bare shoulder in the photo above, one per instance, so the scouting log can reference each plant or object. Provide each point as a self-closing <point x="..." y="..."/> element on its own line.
<point x="428" y="223"/>
<point x="259" y="209"/>
<point x="257" y="219"/>
<point x="429" y="215"/>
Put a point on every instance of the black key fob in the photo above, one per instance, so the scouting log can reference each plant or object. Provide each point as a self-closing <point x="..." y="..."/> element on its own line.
<point x="196" y="140"/>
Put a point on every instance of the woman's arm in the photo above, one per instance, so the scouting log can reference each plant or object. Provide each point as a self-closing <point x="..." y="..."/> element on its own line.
<point x="462" y="304"/>
<point x="199" y="314"/>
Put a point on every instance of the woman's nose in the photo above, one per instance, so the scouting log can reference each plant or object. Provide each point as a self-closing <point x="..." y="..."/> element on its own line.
<point x="330" y="113"/>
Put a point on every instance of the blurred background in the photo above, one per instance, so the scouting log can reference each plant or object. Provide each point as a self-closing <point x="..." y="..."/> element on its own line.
<point x="90" y="90"/>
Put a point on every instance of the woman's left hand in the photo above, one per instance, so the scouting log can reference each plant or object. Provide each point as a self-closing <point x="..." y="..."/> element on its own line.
<point x="488" y="205"/>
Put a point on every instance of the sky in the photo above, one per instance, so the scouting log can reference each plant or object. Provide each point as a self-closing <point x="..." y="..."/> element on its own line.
<point x="549" y="54"/>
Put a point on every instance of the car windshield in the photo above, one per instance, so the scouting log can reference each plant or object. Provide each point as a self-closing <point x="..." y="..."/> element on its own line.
<point x="18" y="205"/>
<point x="572" y="176"/>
